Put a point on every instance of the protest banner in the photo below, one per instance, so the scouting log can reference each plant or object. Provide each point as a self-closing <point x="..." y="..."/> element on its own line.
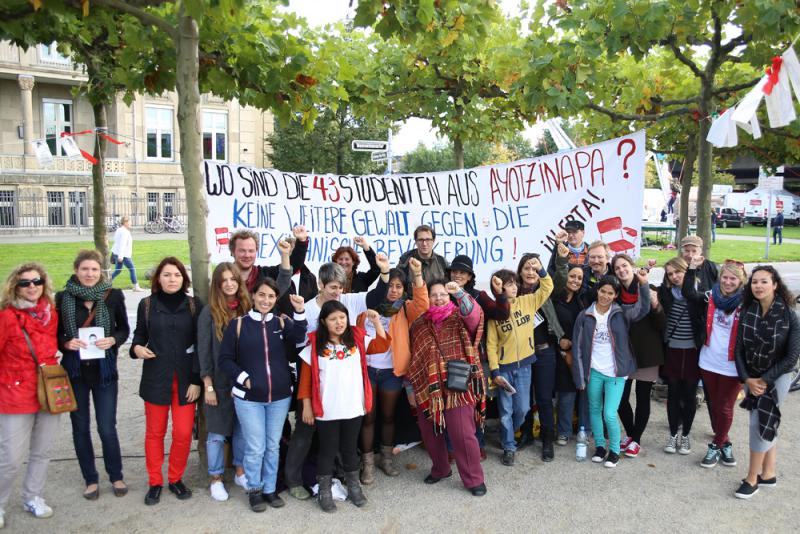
<point x="493" y="214"/>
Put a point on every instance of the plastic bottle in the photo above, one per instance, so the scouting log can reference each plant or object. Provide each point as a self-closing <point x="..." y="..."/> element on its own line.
<point x="580" y="447"/>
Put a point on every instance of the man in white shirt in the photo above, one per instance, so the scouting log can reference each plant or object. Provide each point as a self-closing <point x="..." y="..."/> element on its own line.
<point x="122" y="252"/>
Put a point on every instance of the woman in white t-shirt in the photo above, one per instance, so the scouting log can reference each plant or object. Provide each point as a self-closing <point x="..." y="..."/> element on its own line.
<point x="721" y="384"/>
<point x="602" y="359"/>
<point x="336" y="393"/>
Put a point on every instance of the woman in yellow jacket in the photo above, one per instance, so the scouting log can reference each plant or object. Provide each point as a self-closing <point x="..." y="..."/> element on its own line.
<point x="511" y="347"/>
<point x="386" y="369"/>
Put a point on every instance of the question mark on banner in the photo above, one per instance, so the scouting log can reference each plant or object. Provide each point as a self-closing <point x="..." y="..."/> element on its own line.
<point x="628" y="155"/>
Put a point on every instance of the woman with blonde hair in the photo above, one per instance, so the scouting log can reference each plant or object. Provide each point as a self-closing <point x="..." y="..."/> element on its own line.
<point x="28" y="322"/>
<point x="721" y="307"/>
<point x="89" y="301"/>
<point x="228" y="299"/>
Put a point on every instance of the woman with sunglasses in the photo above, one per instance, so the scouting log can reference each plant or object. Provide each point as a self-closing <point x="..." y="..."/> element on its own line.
<point x="767" y="349"/>
<point x="721" y="307"/>
<point x="28" y="322"/>
<point x="89" y="301"/>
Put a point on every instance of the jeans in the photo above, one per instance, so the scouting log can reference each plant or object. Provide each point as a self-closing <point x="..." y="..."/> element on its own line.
<point x="25" y="436"/>
<point x="513" y="408"/>
<point x="128" y="263"/>
<point x="544" y="383"/>
<point x="604" y="394"/>
<point x="777" y="236"/>
<point x="299" y="446"/>
<point x="262" y="426"/>
<point x="215" y="450"/>
<point x="566" y="407"/>
<point x="105" y="411"/>
<point x="713" y="233"/>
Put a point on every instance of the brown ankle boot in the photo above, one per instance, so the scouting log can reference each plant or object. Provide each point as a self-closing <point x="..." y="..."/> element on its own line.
<point x="367" y="468"/>
<point x="387" y="462"/>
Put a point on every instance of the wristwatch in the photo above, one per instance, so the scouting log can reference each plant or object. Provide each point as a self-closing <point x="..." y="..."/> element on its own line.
<point x="210" y="389"/>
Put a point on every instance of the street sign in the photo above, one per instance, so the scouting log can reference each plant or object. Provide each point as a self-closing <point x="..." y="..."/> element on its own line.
<point x="770" y="182"/>
<point x="379" y="156"/>
<point x="366" y="145"/>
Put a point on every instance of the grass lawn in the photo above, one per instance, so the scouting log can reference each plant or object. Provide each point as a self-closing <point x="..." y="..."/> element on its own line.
<point x="57" y="258"/>
<point x="792" y="232"/>
<point x="746" y="251"/>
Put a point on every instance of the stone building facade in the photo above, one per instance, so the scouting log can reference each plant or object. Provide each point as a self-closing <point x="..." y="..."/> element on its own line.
<point x="143" y="175"/>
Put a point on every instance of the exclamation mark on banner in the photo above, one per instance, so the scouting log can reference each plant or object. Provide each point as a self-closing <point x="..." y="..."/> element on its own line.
<point x="515" y="249"/>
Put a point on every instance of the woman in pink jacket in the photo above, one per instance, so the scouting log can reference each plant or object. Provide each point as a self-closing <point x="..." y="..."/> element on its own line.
<point x="26" y="310"/>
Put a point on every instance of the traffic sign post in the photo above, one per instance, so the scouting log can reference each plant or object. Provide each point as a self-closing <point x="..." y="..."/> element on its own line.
<point x="368" y="145"/>
<point x="379" y="156"/>
<point x="770" y="183"/>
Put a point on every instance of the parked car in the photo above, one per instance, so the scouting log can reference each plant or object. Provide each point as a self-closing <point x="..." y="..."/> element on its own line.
<point x="728" y="217"/>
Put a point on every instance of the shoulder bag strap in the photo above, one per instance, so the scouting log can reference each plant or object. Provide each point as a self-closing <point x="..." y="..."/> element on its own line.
<point x="93" y="312"/>
<point x="30" y="345"/>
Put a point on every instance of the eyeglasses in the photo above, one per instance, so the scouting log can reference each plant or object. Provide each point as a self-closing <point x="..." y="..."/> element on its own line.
<point x="425" y="240"/>
<point x="734" y="262"/>
<point x="27" y="283"/>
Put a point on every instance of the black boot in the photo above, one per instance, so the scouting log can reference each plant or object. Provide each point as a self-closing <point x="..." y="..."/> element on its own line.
<point x="257" y="503"/>
<point x="547" y="444"/>
<point x="325" y="496"/>
<point x="354" y="492"/>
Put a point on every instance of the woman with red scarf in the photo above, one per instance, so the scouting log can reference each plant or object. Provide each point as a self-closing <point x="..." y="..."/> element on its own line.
<point x="449" y="332"/>
<point x="28" y="322"/>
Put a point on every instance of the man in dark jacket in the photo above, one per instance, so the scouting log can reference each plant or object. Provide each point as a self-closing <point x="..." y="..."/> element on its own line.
<point x="434" y="266"/>
<point x="707" y="273"/>
<point x="572" y="237"/>
<point x="777" y="228"/>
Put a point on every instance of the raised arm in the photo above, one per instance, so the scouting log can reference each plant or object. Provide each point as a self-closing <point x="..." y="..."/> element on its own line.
<point x="298" y="257"/>
<point x="374" y="269"/>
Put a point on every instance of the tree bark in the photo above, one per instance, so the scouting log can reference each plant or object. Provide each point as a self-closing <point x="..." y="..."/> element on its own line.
<point x="705" y="176"/>
<point x="98" y="185"/>
<point x="458" y="152"/>
<point x="191" y="157"/>
<point x="687" y="173"/>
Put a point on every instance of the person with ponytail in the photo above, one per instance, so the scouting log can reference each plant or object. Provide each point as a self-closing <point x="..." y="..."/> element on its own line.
<point x="89" y="301"/>
<point x="721" y="308"/>
<point x="767" y="348"/>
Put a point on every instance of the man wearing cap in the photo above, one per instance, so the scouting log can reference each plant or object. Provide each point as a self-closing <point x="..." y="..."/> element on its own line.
<point x="707" y="273"/>
<point x="434" y="266"/>
<point x="572" y="237"/>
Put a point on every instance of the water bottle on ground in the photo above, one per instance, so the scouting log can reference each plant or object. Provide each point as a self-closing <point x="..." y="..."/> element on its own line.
<point x="580" y="447"/>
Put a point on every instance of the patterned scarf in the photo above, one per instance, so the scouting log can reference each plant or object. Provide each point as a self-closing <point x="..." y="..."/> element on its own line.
<point x="390" y="309"/>
<point x="74" y="291"/>
<point x="431" y="349"/>
<point x="762" y="339"/>
<point x="39" y="310"/>
<point x="437" y="314"/>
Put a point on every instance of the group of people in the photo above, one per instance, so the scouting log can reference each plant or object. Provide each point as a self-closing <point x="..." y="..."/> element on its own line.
<point x="350" y="351"/>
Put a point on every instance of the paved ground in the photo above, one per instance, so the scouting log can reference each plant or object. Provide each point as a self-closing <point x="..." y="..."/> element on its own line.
<point x="762" y="239"/>
<point x="653" y="493"/>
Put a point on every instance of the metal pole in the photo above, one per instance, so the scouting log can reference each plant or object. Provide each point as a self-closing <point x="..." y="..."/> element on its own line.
<point x="389" y="153"/>
<point x="769" y="223"/>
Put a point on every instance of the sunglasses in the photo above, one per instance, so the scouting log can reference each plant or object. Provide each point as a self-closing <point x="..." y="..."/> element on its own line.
<point x="734" y="262"/>
<point x="27" y="283"/>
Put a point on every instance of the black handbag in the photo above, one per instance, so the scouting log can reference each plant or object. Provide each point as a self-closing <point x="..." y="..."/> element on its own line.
<point x="458" y="375"/>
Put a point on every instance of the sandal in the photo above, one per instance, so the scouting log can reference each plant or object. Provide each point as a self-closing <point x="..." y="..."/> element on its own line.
<point x="92" y="495"/>
<point x="119" y="491"/>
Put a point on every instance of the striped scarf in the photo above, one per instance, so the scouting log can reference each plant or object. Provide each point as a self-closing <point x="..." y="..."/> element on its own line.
<point x="431" y="349"/>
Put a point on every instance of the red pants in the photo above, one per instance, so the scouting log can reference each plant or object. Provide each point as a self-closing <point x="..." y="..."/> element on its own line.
<point x="721" y="392"/>
<point x="461" y="431"/>
<point x="156" y="428"/>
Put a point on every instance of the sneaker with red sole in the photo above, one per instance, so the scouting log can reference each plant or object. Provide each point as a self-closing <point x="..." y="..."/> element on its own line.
<point x="623" y="445"/>
<point x="633" y="450"/>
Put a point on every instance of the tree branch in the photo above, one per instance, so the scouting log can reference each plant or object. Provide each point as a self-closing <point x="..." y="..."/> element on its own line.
<point x="144" y="16"/>
<point x="734" y="88"/>
<point x="650" y="117"/>
<point x="680" y="102"/>
<point x="684" y="59"/>
<point x="736" y="41"/>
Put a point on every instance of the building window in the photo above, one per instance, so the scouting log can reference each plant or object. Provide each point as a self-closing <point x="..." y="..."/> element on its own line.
<point x="215" y="135"/>
<point x="7" y="208"/>
<point x="48" y="53"/>
<point x="57" y="117"/>
<point x="152" y="206"/>
<point x="158" y="121"/>
<point x="169" y="204"/>
<point x="55" y="208"/>
<point x="77" y="208"/>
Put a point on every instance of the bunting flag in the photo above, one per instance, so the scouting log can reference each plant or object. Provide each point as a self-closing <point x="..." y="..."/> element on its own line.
<point x="42" y="151"/>
<point x="74" y="151"/>
<point x="781" y="78"/>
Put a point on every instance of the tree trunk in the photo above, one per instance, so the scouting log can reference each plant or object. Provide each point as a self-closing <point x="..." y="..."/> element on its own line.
<point x="98" y="185"/>
<point x="458" y="152"/>
<point x="191" y="156"/>
<point x="687" y="173"/>
<point x="704" y="167"/>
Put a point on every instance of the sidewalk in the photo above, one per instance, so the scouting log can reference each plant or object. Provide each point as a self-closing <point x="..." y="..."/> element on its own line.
<point x="86" y="235"/>
<point x="727" y="237"/>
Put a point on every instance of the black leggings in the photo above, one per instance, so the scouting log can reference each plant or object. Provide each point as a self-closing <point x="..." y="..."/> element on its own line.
<point x="681" y="405"/>
<point x="338" y="437"/>
<point x="388" y="404"/>
<point x="635" y="424"/>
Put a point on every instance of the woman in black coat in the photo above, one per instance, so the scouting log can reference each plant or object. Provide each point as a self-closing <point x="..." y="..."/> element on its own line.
<point x="165" y="338"/>
<point x="347" y="257"/>
<point x="89" y="301"/>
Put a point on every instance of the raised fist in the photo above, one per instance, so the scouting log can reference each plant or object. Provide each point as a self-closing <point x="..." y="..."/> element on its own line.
<point x="300" y="232"/>
<point x="452" y="288"/>
<point x="415" y="266"/>
<point x="361" y="242"/>
<point x="563" y="251"/>
<point x="298" y="302"/>
<point x="383" y="262"/>
<point x="284" y="247"/>
<point x="373" y="316"/>
<point x="497" y="285"/>
<point x="561" y="236"/>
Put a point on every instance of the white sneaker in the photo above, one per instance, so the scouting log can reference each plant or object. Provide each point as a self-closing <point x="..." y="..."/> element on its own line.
<point x="685" y="446"/>
<point x="38" y="508"/>
<point x="137" y="289"/>
<point x="241" y="481"/>
<point x="218" y="492"/>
